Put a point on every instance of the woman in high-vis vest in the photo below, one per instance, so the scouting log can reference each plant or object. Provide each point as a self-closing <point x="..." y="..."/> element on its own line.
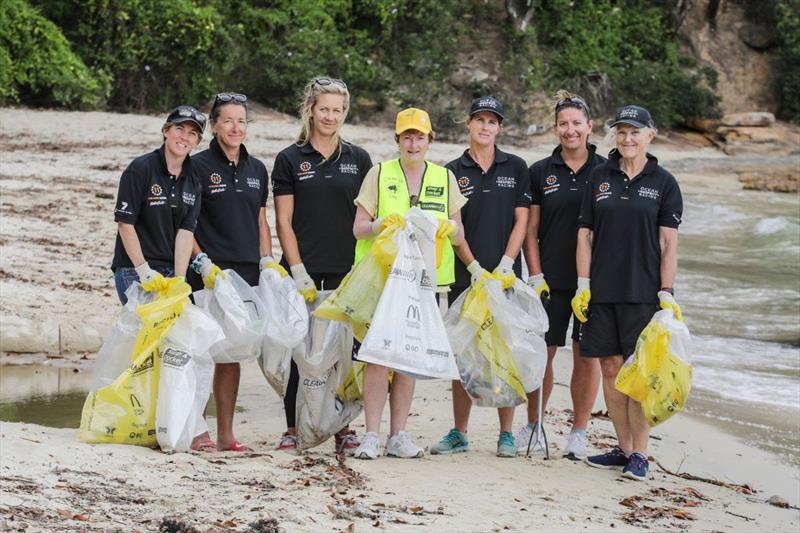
<point x="389" y="190"/>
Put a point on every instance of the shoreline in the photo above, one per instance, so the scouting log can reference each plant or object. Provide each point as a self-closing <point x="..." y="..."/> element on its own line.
<point x="49" y="470"/>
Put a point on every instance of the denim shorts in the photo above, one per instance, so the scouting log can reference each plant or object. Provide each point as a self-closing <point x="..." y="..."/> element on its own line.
<point x="125" y="276"/>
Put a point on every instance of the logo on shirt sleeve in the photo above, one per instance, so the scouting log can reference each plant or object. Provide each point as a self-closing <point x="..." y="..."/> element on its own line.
<point x="123" y="208"/>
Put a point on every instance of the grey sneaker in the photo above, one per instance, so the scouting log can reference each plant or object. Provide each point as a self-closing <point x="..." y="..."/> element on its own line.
<point x="403" y="446"/>
<point x="453" y="442"/>
<point x="368" y="449"/>
<point x="523" y="439"/>
<point x="576" y="446"/>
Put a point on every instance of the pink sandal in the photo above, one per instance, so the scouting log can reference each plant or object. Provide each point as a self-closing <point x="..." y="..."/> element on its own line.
<point x="236" y="446"/>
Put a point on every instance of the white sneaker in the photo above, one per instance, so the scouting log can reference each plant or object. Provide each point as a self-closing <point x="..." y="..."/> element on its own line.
<point x="522" y="439"/>
<point x="402" y="445"/>
<point x="576" y="446"/>
<point x="368" y="449"/>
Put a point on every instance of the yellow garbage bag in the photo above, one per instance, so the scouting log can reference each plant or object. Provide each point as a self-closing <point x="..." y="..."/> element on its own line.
<point x="488" y="370"/>
<point x="125" y="411"/>
<point x="357" y="296"/>
<point x="658" y="374"/>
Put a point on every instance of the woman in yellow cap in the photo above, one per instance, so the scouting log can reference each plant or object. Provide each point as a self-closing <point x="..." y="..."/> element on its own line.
<point x="389" y="190"/>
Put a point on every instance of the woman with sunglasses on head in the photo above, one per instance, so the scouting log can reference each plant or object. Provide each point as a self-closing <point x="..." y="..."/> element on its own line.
<point x="232" y="233"/>
<point x="628" y="243"/>
<point x="557" y="184"/>
<point x="315" y="181"/>
<point x="390" y="189"/>
<point x="157" y="207"/>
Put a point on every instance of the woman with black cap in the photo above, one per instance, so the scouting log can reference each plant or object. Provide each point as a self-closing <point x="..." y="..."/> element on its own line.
<point x="389" y="190"/>
<point x="628" y="242"/>
<point x="233" y="231"/>
<point x="556" y="185"/>
<point x="315" y="180"/>
<point x="157" y="207"/>
<point x="497" y="186"/>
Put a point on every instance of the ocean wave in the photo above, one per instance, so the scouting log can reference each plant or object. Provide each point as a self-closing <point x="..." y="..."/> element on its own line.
<point x="768" y="226"/>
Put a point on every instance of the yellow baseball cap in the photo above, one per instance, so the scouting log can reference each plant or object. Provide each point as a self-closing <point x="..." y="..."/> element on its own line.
<point x="412" y="119"/>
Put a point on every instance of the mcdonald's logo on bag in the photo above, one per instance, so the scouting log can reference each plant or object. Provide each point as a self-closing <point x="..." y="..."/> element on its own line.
<point x="412" y="313"/>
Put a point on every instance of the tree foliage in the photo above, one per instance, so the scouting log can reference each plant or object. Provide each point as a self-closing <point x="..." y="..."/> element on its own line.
<point x="788" y="18"/>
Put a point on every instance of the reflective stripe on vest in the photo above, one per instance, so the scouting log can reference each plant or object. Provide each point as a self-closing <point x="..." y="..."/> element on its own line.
<point x="434" y="196"/>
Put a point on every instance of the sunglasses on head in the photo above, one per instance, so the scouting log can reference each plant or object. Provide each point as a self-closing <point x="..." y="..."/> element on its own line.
<point x="188" y="111"/>
<point x="228" y="97"/>
<point x="329" y="81"/>
<point x="572" y="101"/>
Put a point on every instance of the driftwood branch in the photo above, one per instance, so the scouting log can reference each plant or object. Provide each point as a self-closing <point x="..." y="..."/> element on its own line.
<point x="743" y="489"/>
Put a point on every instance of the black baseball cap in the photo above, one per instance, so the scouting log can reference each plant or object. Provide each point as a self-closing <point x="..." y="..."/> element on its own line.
<point x="187" y="113"/>
<point x="487" y="103"/>
<point x="635" y="116"/>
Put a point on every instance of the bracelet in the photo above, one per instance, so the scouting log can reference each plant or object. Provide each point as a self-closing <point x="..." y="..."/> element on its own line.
<point x="195" y="264"/>
<point x="668" y="289"/>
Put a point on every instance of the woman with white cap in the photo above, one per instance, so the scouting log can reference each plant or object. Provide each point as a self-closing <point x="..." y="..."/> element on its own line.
<point x="627" y="258"/>
<point x="389" y="190"/>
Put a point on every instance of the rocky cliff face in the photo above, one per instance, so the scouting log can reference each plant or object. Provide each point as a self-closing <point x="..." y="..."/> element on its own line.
<point x="735" y="37"/>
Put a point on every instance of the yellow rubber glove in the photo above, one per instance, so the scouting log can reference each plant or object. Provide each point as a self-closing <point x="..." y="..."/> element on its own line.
<point x="209" y="272"/>
<point x="667" y="301"/>
<point x="447" y="228"/>
<point x="540" y="286"/>
<point x="380" y="224"/>
<point x="269" y="262"/>
<point x="580" y="302"/>
<point x="305" y="285"/>
<point x="504" y="273"/>
<point x="150" y="279"/>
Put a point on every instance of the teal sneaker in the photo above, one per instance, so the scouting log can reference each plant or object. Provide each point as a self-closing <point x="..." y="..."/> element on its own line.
<point x="505" y="445"/>
<point x="453" y="442"/>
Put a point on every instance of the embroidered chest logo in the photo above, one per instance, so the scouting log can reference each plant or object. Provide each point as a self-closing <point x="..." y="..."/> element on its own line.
<point x="551" y="184"/>
<point x="647" y="192"/>
<point x="464" y="185"/>
<point x="605" y="191"/>
<point x="216" y="185"/>
<point x="506" y="182"/>
<point x="254" y="183"/>
<point x="156" y="190"/>
<point x="305" y="171"/>
<point x="188" y="198"/>
<point x="348" y="168"/>
<point x="157" y="196"/>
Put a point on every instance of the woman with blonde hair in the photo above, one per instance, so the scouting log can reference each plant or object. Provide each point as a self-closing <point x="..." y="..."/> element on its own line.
<point x="627" y="258"/>
<point x="557" y="182"/>
<point x="315" y="181"/>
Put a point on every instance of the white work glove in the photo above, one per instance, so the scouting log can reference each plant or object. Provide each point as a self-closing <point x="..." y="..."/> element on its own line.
<point x="505" y="272"/>
<point x="269" y="262"/>
<point x="476" y="272"/>
<point x="149" y="278"/>
<point x="667" y="301"/>
<point x="208" y="270"/>
<point x="540" y="286"/>
<point x="305" y="285"/>
<point x="380" y="224"/>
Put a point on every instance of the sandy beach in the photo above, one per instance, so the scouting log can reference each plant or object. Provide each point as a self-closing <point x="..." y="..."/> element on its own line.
<point x="58" y="177"/>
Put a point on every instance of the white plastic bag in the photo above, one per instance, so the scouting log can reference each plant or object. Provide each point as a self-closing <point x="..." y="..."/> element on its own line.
<point x="328" y="341"/>
<point x="240" y="312"/>
<point x="424" y="226"/>
<point x="286" y="326"/>
<point x="407" y="333"/>
<point x="185" y="379"/>
<point x="114" y="356"/>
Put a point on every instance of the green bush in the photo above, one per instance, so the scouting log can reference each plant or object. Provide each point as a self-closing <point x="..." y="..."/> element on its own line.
<point x="627" y="54"/>
<point x="37" y="65"/>
<point x="158" y="53"/>
<point x="788" y="64"/>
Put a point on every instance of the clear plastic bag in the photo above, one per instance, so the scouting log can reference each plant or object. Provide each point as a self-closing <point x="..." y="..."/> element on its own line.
<point x="659" y="373"/>
<point x="238" y="309"/>
<point x="185" y="378"/>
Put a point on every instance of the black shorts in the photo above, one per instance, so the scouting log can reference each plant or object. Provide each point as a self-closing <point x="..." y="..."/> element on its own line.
<point x="612" y="329"/>
<point x="559" y="311"/>
<point x="248" y="271"/>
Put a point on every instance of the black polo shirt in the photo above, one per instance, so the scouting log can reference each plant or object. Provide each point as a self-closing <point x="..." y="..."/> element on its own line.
<point x="233" y="195"/>
<point x="557" y="189"/>
<point x="324" y="191"/>
<point x="157" y="204"/>
<point x="625" y="215"/>
<point x="488" y="216"/>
